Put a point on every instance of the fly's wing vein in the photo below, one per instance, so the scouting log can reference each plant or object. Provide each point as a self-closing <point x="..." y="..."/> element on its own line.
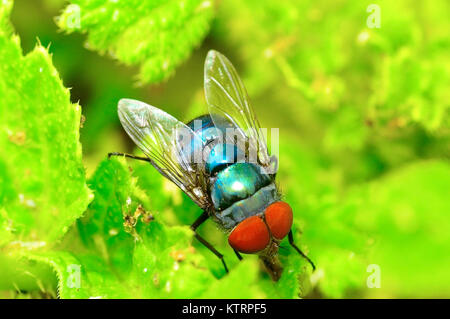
<point x="226" y="97"/>
<point x="167" y="143"/>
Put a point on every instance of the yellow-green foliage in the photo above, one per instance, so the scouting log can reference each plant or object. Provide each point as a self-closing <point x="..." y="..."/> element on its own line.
<point x="364" y="146"/>
<point x="157" y="34"/>
<point x="43" y="186"/>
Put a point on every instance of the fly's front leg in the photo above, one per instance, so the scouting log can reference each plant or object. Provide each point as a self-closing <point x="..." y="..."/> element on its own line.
<point x="238" y="255"/>
<point x="291" y="242"/>
<point x="203" y="217"/>
<point x="140" y="158"/>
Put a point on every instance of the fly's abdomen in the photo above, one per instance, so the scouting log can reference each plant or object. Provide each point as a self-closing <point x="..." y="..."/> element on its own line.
<point x="237" y="182"/>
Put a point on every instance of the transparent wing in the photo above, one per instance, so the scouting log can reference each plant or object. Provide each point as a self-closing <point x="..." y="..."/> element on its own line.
<point x="169" y="144"/>
<point x="226" y="97"/>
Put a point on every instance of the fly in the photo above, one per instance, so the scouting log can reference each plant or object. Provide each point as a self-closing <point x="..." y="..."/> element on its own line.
<point x="220" y="160"/>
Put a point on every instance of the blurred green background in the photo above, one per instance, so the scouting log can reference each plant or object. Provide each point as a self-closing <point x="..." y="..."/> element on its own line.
<point x="363" y="116"/>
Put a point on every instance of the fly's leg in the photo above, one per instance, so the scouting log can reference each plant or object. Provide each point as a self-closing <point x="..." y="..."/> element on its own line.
<point x="291" y="242"/>
<point x="203" y="217"/>
<point x="212" y="249"/>
<point x="238" y="255"/>
<point x="146" y="159"/>
<point x="141" y="158"/>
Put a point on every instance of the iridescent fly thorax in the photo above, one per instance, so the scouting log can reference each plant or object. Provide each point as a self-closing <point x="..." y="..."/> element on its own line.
<point x="236" y="182"/>
<point x="238" y="189"/>
<point x="208" y="130"/>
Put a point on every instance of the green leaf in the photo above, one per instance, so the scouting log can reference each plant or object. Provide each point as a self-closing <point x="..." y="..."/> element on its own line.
<point x="174" y="206"/>
<point x="393" y="75"/>
<point x="158" y="35"/>
<point x="42" y="181"/>
<point x="407" y="214"/>
<point x="168" y="265"/>
<point x="397" y="222"/>
<point x="347" y="131"/>
<point x="411" y="88"/>
<point x="241" y="283"/>
<point x="101" y="229"/>
<point x="81" y="276"/>
<point x="121" y="251"/>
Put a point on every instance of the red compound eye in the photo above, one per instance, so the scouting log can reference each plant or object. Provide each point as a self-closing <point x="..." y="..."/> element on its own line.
<point x="250" y="235"/>
<point x="279" y="219"/>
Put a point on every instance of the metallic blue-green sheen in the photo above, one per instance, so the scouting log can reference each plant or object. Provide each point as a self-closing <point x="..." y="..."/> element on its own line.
<point x="238" y="189"/>
<point x="222" y="156"/>
<point x="253" y="205"/>
<point x="237" y="182"/>
<point x="204" y="127"/>
<point x="209" y="133"/>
